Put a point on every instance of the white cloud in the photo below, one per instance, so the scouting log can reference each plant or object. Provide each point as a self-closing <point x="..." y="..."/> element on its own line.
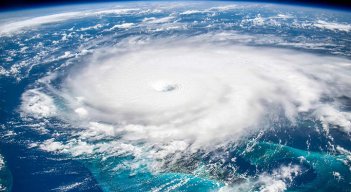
<point x="177" y="95"/>
<point x="19" y="25"/>
<point x="2" y="162"/>
<point x="81" y="112"/>
<point x="333" y="26"/>
<point x="258" y="20"/>
<point x="51" y="145"/>
<point x="331" y="116"/>
<point x="37" y="104"/>
<point x="279" y="180"/>
<point x="155" y="20"/>
<point x="223" y="8"/>
<point x="122" y="26"/>
<point x="190" y="12"/>
<point x="69" y="187"/>
<point x="283" y="16"/>
<point x="66" y="54"/>
<point x="120" y="11"/>
<point x="97" y="26"/>
<point x="208" y="93"/>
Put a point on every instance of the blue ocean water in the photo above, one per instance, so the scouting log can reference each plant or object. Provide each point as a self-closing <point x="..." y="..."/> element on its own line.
<point x="306" y="144"/>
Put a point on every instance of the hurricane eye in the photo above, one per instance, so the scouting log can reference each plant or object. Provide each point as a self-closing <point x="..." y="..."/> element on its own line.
<point x="164" y="86"/>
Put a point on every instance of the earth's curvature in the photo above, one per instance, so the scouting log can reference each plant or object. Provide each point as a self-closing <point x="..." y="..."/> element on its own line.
<point x="175" y="96"/>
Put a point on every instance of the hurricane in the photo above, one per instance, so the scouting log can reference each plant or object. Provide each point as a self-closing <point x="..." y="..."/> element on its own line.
<point x="188" y="96"/>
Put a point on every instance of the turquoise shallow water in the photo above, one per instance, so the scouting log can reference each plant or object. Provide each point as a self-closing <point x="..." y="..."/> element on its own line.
<point x="44" y="151"/>
<point x="318" y="172"/>
<point x="320" y="166"/>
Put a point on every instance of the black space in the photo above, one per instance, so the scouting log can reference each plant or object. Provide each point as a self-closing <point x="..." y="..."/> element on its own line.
<point x="15" y="4"/>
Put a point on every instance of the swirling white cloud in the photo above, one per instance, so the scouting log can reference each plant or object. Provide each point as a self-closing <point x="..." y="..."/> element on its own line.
<point x="203" y="93"/>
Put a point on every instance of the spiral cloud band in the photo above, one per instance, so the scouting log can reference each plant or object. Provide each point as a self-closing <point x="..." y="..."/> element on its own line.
<point x="201" y="93"/>
<point x="185" y="96"/>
